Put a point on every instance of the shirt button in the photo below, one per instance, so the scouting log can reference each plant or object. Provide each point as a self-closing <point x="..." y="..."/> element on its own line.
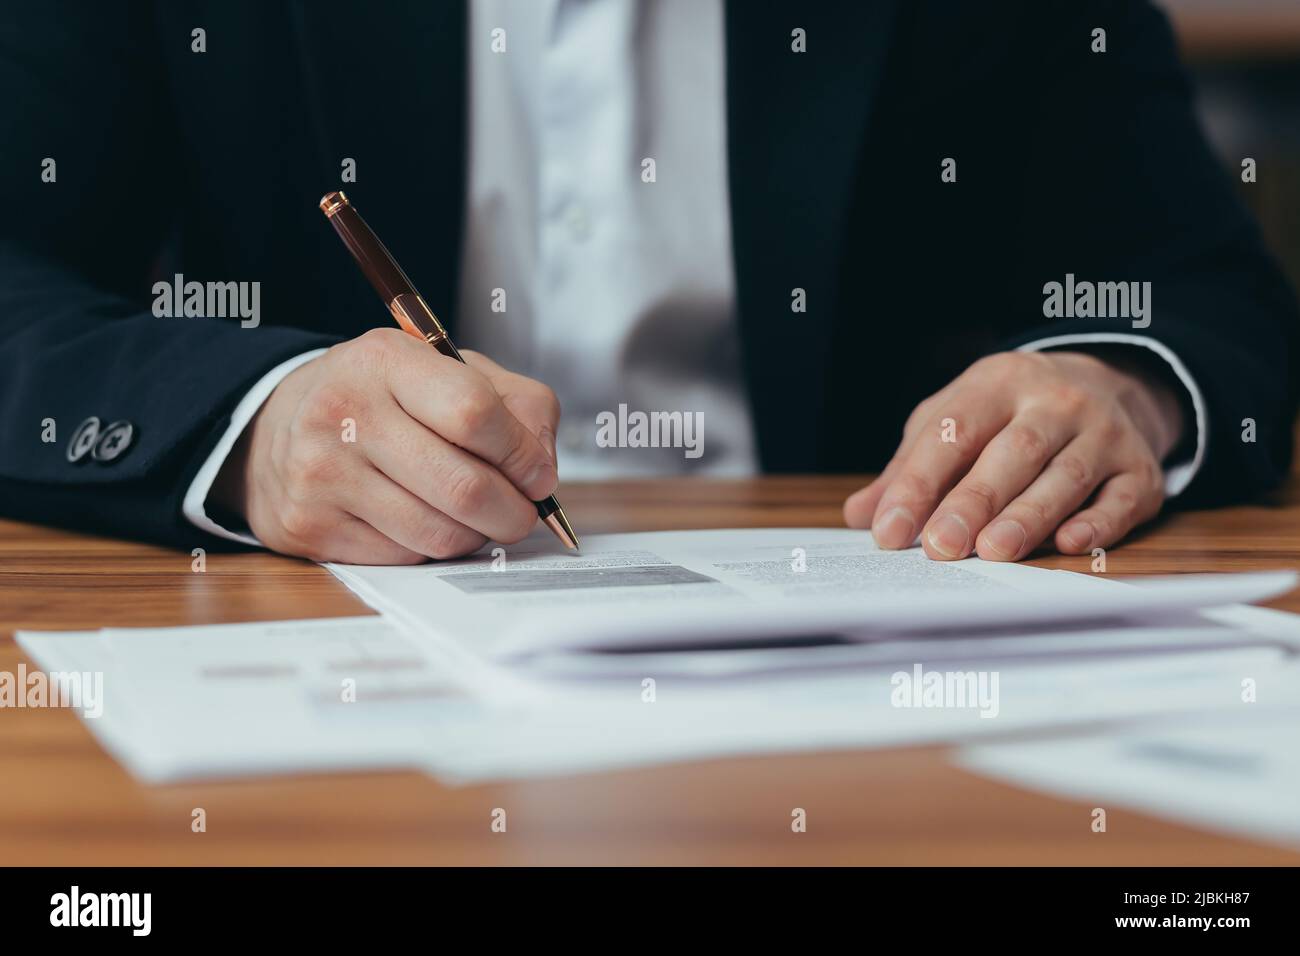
<point x="578" y="221"/>
<point x="83" y="439"/>
<point x="114" y="441"/>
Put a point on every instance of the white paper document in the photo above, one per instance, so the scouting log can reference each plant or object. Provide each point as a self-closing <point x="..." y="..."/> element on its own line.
<point x="1236" y="772"/>
<point x="858" y="709"/>
<point x="356" y="693"/>
<point x="246" y="699"/>
<point x="816" y="590"/>
<point x="681" y="645"/>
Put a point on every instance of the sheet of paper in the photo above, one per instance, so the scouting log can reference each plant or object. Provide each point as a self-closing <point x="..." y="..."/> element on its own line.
<point x="276" y="697"/>
<point x="118" y="728"/>
<point x="594" y="730"/>
<point x="1238" y="772"/>
<point x="235" y="700"/>
<point x="749" y="587"/>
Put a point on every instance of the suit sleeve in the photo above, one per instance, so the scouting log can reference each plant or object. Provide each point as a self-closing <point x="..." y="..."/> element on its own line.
<point x="91" y="184"/>
<point x="1121" y="185"/>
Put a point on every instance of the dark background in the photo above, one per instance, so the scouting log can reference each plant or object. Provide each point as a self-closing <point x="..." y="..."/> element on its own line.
<point x="1244" y="56"/>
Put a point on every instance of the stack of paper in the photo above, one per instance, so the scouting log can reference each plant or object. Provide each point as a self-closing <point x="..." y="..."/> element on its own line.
<point x="672" y="646"/>
<point x="353" y="693"/>
<point x="770" y="599"/>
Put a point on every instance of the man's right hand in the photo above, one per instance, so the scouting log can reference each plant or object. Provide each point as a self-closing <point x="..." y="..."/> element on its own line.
<point x="445" y="455"/>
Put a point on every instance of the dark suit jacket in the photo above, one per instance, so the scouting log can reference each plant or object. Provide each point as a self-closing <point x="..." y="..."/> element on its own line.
<point x="211" y="164"/>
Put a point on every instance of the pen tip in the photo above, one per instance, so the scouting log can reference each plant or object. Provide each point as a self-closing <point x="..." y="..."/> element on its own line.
<point x="558" y="522"/>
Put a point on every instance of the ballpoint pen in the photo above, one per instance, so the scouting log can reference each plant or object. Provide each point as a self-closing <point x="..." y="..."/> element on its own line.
<point x="413" y="313"/>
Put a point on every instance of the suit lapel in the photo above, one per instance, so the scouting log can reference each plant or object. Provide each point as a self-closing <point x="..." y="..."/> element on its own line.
<point x="386" y="87"/>
<point x="795" y="129"/>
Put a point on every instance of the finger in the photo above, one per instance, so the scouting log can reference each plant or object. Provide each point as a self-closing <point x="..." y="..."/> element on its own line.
<point x="1065" y="484"/>
<point x="944" y="450"/>
<point x="449" y="479"/>
<point x="860" y="507"/>
<point x="1124" y="502"/>
<point x="355" y="542"/>
<point x="402" y="517"/>
<point x="534" y="404"/>
<point x="307" y="523"/>
<point x="1009" y="464"/>
<point x="460" y="404"/>
<point x="330" y="534"/>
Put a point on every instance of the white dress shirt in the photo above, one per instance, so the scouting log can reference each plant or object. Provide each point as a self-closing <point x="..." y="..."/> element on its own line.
<point x="616" y="290"/>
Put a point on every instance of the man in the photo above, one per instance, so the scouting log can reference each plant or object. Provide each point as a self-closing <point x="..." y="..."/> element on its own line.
<point x="806" y="224"/>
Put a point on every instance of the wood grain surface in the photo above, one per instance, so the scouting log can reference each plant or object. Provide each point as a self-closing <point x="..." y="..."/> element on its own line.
<point x="63" y="801"/>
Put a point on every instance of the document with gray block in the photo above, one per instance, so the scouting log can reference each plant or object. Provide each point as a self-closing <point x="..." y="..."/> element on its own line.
<point x="761" y="594"/>
<point x="631" y="654"/>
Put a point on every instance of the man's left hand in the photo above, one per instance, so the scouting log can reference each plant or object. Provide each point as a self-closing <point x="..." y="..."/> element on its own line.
<point x="1021" y="447"/>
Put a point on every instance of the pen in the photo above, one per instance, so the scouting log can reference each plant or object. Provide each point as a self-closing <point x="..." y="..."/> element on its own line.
<point x="413" y="313"/>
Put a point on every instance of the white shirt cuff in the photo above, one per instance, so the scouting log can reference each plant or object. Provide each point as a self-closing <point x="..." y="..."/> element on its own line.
<point x="196" y="496"/>
<point x="1179" y="476"/>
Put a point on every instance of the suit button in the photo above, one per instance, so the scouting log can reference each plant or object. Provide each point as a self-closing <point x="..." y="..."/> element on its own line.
<point x="83" y="439"/>
<point x="113" y="442"/>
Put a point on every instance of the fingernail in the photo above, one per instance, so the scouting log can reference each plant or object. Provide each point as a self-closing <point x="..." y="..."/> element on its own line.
<point x="950" y="536"/>
<point x="896" y="529"/>
<point x="1006" y="538"/>
<point x="548" y="442"/>
<point x="1078" y="535"/>
<point x="535" y="477"/>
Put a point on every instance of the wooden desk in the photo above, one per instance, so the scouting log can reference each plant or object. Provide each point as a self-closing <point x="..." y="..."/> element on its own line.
<point x="62" y="801"/>
<point x="1235" y="30"/>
